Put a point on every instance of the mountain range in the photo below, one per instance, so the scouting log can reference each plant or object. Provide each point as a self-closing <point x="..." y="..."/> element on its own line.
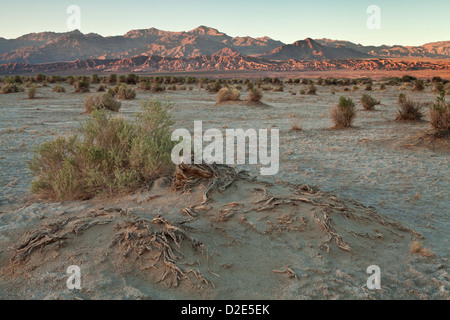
<point x="203" y="48"/>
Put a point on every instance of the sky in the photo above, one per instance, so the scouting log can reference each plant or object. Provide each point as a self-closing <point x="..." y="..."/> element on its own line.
<point x="403" y="22"/>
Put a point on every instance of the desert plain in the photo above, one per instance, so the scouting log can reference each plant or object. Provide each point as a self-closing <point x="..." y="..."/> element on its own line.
<point x="343" y="200"/>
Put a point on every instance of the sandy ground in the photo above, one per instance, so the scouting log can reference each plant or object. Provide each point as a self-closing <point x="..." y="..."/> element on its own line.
<point x="373" y="165"/>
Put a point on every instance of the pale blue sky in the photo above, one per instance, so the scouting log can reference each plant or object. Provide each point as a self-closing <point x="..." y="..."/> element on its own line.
<point x="406" y="22"/>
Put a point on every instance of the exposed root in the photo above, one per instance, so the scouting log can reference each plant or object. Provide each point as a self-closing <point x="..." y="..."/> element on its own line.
<point x="188" y="176"/>
<point x="158" y="239"/>
<point x="57" y="232"/>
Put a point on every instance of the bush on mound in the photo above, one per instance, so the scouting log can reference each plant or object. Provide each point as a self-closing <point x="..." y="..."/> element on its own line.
<point x="440" y="114"/>
<point x="109" y="156"/>
<point x="58" y="88"/>
<point x="82" y="86"/>
<point x="409" y="110"/>
<point x="124" y="92"/>
<point x="227" y="94"/>
<point x="11" y="88"/>
<point x="368" y="102"/>
<point x="344" y="113"/>
<point x="255" y="95"/>
<point x="104" y="101"/>
<point x="32" y="92"/>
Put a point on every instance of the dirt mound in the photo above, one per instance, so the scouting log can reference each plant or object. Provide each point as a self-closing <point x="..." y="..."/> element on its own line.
<point x="218" y="233"/>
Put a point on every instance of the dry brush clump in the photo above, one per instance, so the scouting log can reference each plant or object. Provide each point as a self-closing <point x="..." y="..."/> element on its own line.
<point x="124" y="92"/>
<point x="104" y="101"/>
<point x="110" y="155"/>
<point x="409" y="110"/>
<point x="82" y="85"/>
<point x="368" y="102"/>
<point x="416" y="247"/>
<point x="418" y="85"/>
<point x="344" y="113"/>
<point x="11" y="88"/>
<point x="32" y="92"/>
<point x="440" y="115"/>
<point x="254" y="95"/>
<point x="58" y="88"/>
<point x="228" y="94"/>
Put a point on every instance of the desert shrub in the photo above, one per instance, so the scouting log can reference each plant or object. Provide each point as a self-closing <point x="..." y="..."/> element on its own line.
<point x="418" y="85"/>
<point x="368" y="86"/>
<point x="11" y="88"/>
<point x="401" y="98"/>
<point x="382" y="86"/>
<point x="182" y="88"/>
<point x="417" y="248"/>
<point x="132" y="79"/>
<point x="440" y="114"/>
<point x="40" y="77"/>
<point x="227" y="94"/>
<point x="32" y="92"/>
<point x="156" y="87"/>
<point x="311" y="88"/>
<point x="254" y="95"/>
<point x="95" y="78"/>
<point x="82" y="86"/>
<point x="104" y="101"/>
<point x="344" y="113"/>
<point x="249" y="86"/>
<point x="145" y="85"/>
<point x="409" y="110"/>
<point x="124" y="92"/>
<point x="58" y="88"/>
<point x="302" y="92"/>
<point x="110" y="155"/>
<point x="112" y="78"/>
<point x="355" y="88"/>
<point x="70" y="80"/>
<point x="408" y="78"/>
<point x="214" y="87"/>
<point x="101" y="88"/>
<point x="368" y="102"/>
<point x="278" y="88"/>
<point x="438" y="87"/>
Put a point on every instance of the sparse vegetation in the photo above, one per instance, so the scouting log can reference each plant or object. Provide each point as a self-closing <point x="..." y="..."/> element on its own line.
<point x="58" y="88"/>
<point x="109" y="156"/>
<point x="227" y="94"/>
<point x="416" y="247"/>
<point x="124" y="92"/>
<point x="418" y="85"/>
<point x="440" y="115"/>
<point x="11" y="88"/>
<point x="82" y="86"/>
<point x="254" y="95"/>
<point x="368" y="102"/>
<point x="344" y="113"/>
<point x="311" y="89"/>
<point x="409" y="110"/>
<point x="32" y="92"/>
<point x="104" y="101"/>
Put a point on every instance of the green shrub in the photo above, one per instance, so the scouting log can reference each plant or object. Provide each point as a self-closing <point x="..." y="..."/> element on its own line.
<point x="145" y="85"/>
<point x="101" y="88"/>
<point x="368" y="102"/>
<point x="418" y="85"/>
<point x="409" y="110"/>
<point x="32" y="92"/>
<point x="95" y="78"/>
<point x="104" y="101"/>
<point x="156" y="87"/>
<point x="255" y="95"/>
<point x="344" y="113"/>
<point x="82" y="86"/>
<point x="112" y="78"/>
<point x="58" y="88"/>
<point x="440" y="114"/>
<point x="109" y="156"/>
